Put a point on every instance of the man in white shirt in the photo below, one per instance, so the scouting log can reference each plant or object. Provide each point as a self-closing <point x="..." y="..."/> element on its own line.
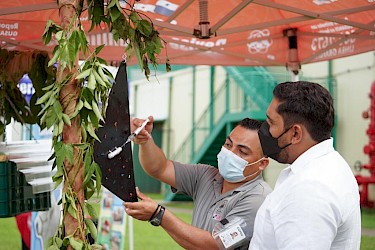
<point x="315" y="203"/>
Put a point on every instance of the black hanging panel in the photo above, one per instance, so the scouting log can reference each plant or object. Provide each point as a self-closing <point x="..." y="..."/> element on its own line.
<point x="117" y="173"/>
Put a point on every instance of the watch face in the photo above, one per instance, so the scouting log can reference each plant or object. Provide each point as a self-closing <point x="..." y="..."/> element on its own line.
<point x="155" y="221"/>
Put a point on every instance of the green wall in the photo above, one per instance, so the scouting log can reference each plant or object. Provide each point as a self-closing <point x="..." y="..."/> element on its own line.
<point x="146" y="183"/>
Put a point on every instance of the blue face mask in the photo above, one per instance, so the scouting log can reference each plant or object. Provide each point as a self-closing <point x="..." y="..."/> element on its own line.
<point x="231" y="166"/>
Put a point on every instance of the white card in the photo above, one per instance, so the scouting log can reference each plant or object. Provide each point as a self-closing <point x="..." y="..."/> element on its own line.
<point x="232" y="236"/>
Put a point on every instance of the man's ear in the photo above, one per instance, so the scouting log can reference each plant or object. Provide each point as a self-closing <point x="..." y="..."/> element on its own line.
<point x="297" y="133"/>
<point x="263" y="164"/>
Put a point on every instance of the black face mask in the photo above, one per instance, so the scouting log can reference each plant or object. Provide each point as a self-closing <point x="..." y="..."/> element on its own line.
<point x="270" y="145"/>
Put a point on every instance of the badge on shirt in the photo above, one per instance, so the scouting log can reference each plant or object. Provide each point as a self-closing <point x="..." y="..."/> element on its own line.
<point x="217" y="215"/>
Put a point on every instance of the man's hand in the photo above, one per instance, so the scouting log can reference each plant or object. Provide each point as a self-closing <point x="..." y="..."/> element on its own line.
<point x="187" y="236"/>
<point x="145" y="134"/>
<point x="141" y="210"/>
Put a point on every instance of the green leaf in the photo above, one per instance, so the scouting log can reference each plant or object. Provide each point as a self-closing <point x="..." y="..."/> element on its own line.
<point x="50" y="118"/>
<point x="44" y="98"/>
<point x="72" y="47"/>
<point x="96" y="247"/>
<point x="99" y="79"/>
<point x="103" y="76"/>
<point x="48" y="25"/>
<point x="72" y="211"/>
<point x="61" y="126"/>
<point x="82" y="146"/>
<point x="91" y="131"/>
<point x="91" y="210"/>
<point x="111" y="4"/>
<point x="84" y="134"/>
<point x="53" y="247"/>
<point x="60" y="157"/>
<point x="66" y="119"/>
<point x="58" y="242"/>
<point x="92" y="229"/>
<point x="145" y="27"/>
<point x="59" y="173"/>
<point x="52" y="156"/>
<point x="64" y="151"/>
<point x="57" y="182"/>
<point x="93" y="120"/>
<point x="96" y="110"/>
<point x="115" y="35"/>
<point x="77" y="109"/>
<point x="63" y="198"/>
<point x="77" y="245"/>
<point x="108" y="74"/>
<point x="87" y="105"/>
<point x="59" y="35"/>
<point x="54" y="58"/>
<point x="58" y="109"/>
<point x="48" y="87"/>
<point x="89" y="190"/>
<point x="82" y="40"/>
<point x="134" y="17"/>
<point x="47" y="105"/>
<point x="64" y="57"/>
<point x="115" y="14"/>
<point x="84" y="74"/>
<point x="89" y="174"/>
<point x="65" y="242"/>
<point x="98" y="174"/>
<point x="72" y="202"/>
<point x="101" y="61"/>
<point x="91" y="82"/>
<point x="99" y="48"/>
<point x="68" y="150"/>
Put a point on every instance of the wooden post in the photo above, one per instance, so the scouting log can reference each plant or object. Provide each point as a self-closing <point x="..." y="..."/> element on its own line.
<point x="68" y="99"/>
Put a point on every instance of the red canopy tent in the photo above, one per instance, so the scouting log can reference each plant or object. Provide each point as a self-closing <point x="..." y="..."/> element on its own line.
<point x="220" y="32"/>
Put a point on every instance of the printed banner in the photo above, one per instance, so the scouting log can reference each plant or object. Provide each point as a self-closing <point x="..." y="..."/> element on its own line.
<point x="112" y="221"/>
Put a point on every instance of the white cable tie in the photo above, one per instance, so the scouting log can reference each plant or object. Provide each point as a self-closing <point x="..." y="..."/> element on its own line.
<point x="114" y="152"/>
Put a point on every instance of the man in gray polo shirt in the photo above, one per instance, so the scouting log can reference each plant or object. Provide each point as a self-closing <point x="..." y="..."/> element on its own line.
<point x="222" y="196"/>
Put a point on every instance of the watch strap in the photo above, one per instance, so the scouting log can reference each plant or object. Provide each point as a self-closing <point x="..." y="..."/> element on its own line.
<point x="153" y="214"/>
<point x="156" y="221"/>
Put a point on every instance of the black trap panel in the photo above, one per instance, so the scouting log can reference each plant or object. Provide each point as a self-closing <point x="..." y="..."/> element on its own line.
<point x="117" y="173"/>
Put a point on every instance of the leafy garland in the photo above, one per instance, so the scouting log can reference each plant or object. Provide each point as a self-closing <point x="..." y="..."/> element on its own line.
<point x="93" y="81"/>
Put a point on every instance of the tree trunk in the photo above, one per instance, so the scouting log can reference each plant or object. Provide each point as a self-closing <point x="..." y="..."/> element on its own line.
<point x="71" y="135"/>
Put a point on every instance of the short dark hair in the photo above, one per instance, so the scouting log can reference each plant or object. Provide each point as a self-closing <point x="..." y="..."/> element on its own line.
<point x="250" y="124"/>
<point x="307" y="103"/>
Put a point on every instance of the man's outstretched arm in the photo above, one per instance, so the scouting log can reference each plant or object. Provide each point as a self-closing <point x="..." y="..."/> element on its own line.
<point x="151" y="157"/>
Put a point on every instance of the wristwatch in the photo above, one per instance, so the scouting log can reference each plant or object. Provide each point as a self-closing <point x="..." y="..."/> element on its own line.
<point x="156" y="221"/>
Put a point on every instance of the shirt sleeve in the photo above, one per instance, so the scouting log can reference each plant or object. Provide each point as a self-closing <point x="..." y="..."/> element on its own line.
<point x="306" y="218"/>
<point x="189" y="177"/>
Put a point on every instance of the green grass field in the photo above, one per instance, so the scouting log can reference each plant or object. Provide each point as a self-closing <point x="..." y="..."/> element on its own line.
<point x="155" y="238"/>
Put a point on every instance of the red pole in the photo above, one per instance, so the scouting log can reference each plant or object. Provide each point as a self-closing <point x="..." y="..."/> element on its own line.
<point x="369" y="149"/>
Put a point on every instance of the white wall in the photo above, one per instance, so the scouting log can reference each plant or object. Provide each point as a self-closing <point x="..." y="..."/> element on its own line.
<point x="354" y="76"/>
